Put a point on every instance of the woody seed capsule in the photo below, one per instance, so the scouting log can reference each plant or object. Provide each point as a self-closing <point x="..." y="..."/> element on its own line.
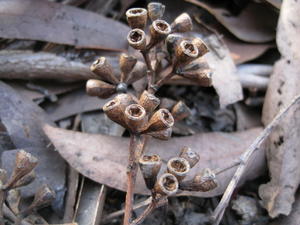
<point x="150" y="166"/>
<point x="126" y="63"/>
<point x="161" y="120"/>
<point x="204" y="181"/>
<point x="27" y="179"/>
<point x="201" y="46"/>
<point x="186" y="52"/>
<point x="149" y="101"/>
<point x="115" y="109"/>
<point x="99" y="88"/>
<point x="102" y="68"/>
<point x="167" y="184"/>
<point x="155" y="10"/>
<point x="191" y="156"/>
<point x="180" y="111"/>
<point x="43" y="197"/>
<point x="179" y="167"/>
<point x="137" y="73"/>
<point x="159" y="30"/>
<point x="137" y="18"/>
<point x="137" y="39"/>
<point x="24" y="164"/>
<point x="183" y="23"/>
<point x="199" y="72"/>
<point x="171" y="42"/>
<point x="135" y="117"/>
<point x="163" y="135"/>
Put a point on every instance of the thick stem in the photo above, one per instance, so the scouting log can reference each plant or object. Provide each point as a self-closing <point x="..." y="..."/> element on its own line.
<point x="135" y="148"/>
<point x="150" y="70"/>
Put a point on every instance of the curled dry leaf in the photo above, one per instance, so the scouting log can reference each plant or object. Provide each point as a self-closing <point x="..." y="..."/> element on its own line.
<point x="256" y="23"/>
<point x="103" y="158"/>
<point x="242" y="52"/>
<point x="62" y="24"/>
<point x="23" y="121"/>
<point x="224" y="78"/>
<point x="283" y="154"/>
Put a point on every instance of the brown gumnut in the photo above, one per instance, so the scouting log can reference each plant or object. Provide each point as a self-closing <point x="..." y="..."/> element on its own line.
<point x="179" y="167"/>
<point x="150" y="166"/>
<point x="126" y="63"/>
<point x="191" y="156"/>
<point x="42" y="198"/>
<point x="137" y="39"/>
<point x="102" y="68"/>
<point x="186" y="52"/>
<point x="135" y="117"/>
<point x="156" y="10"/>
<point x="115" y="109"/>
<point x="182" y="23"/>
<point x="163" y="135"/>
<point x="24" y="164"/>
<point x="149" y="101"/>
<point x="100" y="88"/>
<point x="180" y="111"/>
<point x="167" y="184"/>
<point x="160" y="120"/>
<point x="137" y="18"/>
<point x="201" y="46"/>
<point x="204" y="181"/>
<point x="159" y="30"/>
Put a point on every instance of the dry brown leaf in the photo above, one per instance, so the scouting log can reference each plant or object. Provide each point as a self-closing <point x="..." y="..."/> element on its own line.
<point x="73" y="103"/>
<point x="256" y="23"/>
<point x="23" y="120"/>
<point x="62" y="24"/>
<point x="104" y="158"/>
<point x="242" y="52"/>
<point x="283" y="154"/>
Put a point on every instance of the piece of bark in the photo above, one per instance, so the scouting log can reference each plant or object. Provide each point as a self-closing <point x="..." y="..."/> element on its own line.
<point x="293" y="218"/>
<point x="62" y="24"/>
<point x="86" y="152"/>
<point x="256" y="23"/>
<point x="28" y="65"/>
<point x="23" y="120"/>
<point x="283" y="154"/>
<point x="91" y="203"/>
<point x="73" y="103"/>
<point x="224" y="77"/>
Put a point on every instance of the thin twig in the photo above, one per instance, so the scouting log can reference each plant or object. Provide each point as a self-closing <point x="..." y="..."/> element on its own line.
<point x="156" y="203"/>
<point x="222" y="170"/>
<point x="113" y="215"/>
<point x="245" y="158"/>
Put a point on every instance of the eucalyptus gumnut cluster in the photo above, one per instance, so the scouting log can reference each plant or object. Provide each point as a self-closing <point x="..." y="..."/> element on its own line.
<point x="173" y="180"/>
<point x="23" y="174"/>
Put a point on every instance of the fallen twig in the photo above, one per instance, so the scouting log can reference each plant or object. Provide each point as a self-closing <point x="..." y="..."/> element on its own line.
<point x="28" y="65"/>
<point x="245" y="158"/>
